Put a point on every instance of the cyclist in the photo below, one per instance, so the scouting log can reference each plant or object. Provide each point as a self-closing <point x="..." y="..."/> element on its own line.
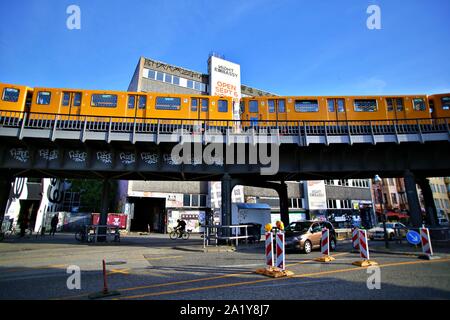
<point x="181" y="227"/>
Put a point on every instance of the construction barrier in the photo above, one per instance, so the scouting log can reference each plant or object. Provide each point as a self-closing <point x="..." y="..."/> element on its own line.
<point x="269" y="249"/>
<point x="325" y="247"/>
<point x="275" y="268"/>
<point x="364" y="251"/>
<point x="280" y="251"/>
<point x="355" y="239"/>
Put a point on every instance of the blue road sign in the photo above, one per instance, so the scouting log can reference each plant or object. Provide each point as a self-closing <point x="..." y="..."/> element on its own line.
<point x="413" y="237"/>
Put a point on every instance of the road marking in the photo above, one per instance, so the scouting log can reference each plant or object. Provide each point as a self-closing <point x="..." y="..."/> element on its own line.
<point x="227" y="285"/>
<point x="162" y="258"/>
<point x="116" y="271"/>
<point x="189" y="281"/>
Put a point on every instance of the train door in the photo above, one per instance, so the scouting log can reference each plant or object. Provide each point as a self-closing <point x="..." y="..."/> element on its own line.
<point x="253" y="112"/>
<point x="70" y="103"/>
<point x="336" y="109"/>
<point x="276" y="110"/>
<point x="395" y="108"/>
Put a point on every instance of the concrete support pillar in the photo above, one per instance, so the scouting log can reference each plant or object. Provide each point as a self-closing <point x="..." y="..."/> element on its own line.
<point x="430" y="207"/>
<point x="5" y="189"/>
<point x="284" y="203"/>
<point x="226" y="200"/>
<point x="103" y="220"/>
<point x="415" y="212"/>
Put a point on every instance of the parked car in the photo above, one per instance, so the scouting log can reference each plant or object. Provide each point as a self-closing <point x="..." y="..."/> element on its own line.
<point x="392" y="229"/>
<point x="306" y="235"/>
<point x="443" y="222"/>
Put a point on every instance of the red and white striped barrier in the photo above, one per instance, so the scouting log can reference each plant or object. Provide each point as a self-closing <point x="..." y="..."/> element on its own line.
<point x="280" y="251"/>
<point x="355" y="238"/>
<point x="269" y="249"/>
<point x="426" y="241"/>
<point x="363" y="245"/>
<point x="325" y="242"/>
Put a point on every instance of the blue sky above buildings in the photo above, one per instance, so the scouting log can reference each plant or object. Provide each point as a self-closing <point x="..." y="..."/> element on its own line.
<point x="287" y="47"/>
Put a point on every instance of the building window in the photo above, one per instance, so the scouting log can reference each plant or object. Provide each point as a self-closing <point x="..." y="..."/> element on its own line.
<point x="306" y="106"/>
<point x="198" y="86"/>
<point x="365" y="105"/>
<point x="151" y="74"/>
<point x="168" y="78"/>
<point x="202" y="200"/>
<point x="332" y="204"/>
<point x="394" y="198"/>
<point x="190" y="84"/>
<point x="186" y="200"/>
<point x="10" y="95"/>
<point x="159" y="76"/>
<point x="195" y="201"/>
<point x="176" y="80"/>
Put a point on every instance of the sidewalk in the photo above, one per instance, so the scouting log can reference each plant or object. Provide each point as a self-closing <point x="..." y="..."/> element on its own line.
<point x="404" y="248"/>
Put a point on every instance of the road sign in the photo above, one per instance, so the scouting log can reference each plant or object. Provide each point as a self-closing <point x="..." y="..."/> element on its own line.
<point x="413" y="237"/>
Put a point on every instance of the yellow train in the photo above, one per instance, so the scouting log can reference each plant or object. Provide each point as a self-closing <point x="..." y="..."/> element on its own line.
<point x="124" y="106"/>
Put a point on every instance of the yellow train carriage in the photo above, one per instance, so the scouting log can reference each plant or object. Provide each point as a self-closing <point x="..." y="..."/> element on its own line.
<point x="334" y="108"/>
<point x="440" y="105"/>
<point x="14" y="100"/>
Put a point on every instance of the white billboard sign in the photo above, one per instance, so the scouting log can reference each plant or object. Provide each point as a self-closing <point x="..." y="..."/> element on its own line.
<point x="317" y="199"/>
<point x="225" y="80"/>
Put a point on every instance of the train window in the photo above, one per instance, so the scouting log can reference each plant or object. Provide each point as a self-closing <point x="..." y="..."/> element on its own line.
<point x="390" y="104"/>
<point x="104" y="100"/>
<point x="419" y="104"/>
<point x="306" y="106"/>
<point x="330" y="105"/>
<point x="131" y="102"/>
<point x="43" y="97"/>
<point x="223" y="106"/>
<point x="399" y="104"/>
<point x="10" y="94"/>
<point x="66" y="99"/>
<point x="341" y="105"/>
<point x="445" y="103"/>
<point x="281" y="106"/>
<point x="253" y="106"/>
<point x="166" y="103"/>
<point x="194" y="104"/>
<point x="205" y="104"/>
<point x="77" y="99"/>
<point x="142" y="102"/>
<point x="365" y="105"/>
<point x="271" y="104"/>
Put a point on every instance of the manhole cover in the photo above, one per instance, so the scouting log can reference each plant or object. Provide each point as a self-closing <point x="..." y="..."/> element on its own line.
<point x="115" y="263"/>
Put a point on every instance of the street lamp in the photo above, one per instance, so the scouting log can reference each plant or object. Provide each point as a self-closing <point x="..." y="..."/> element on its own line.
<point x="379" y="183"/>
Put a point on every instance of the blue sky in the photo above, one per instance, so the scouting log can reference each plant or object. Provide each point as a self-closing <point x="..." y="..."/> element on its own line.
<point x="287" y="47"/>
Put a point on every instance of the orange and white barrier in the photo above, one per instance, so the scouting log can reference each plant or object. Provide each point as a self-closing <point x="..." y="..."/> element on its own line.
<point x="426" y="241"/>
<point x="269" y="249"/>
<point x="364" y="251"/>
<point x="363" y="245"/>
<point x="280" y="251"/>
<point x="325" y="247"/>
<point x="355" y="238"/>
<point x="325" y="242"/>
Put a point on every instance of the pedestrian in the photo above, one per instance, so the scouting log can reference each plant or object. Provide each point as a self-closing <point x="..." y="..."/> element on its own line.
<point x="54" y="224"/>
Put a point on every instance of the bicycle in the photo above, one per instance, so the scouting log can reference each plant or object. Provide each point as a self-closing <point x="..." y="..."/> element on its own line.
<point x="175" y="234"/>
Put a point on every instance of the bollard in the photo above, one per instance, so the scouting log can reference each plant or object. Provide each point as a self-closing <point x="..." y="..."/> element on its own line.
<point x="280" y="251"/>
<point x="427" y="249"/>
<point x="364" y="251"/>
<point x="105" y="292"/>
<point x="325" y="247"/>
<point x="269" y="249"/>
<point x="355" y="239"/>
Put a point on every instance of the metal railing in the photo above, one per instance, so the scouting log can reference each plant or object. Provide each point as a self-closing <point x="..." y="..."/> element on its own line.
<point x="109" y="124"/>
<point x="229" y="233"/>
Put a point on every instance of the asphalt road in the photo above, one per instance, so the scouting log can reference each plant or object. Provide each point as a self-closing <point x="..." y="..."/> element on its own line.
<point x="155" y="267"/>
